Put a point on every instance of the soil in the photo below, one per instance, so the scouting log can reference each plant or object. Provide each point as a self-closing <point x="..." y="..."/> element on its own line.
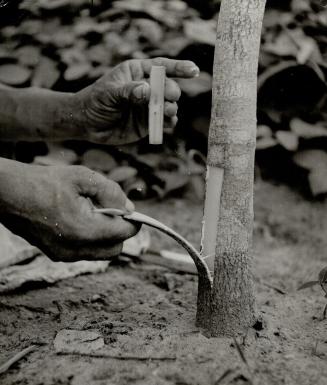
<point x="146" y="312"/>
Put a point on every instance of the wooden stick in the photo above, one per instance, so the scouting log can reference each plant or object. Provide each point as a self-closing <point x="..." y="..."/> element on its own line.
<point x="16" y="358"/>
<point x="118" y="357"/>
<point x="156" y="104"/>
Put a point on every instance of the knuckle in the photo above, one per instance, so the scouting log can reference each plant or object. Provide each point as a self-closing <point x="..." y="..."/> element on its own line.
<point x="127" y="64"/>
<point x="159" y="60"/>
<point x="80" y="171"/>
<point x="131" y="62"/>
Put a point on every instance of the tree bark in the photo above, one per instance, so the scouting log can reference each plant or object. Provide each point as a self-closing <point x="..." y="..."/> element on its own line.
<point x="229" y="306"/>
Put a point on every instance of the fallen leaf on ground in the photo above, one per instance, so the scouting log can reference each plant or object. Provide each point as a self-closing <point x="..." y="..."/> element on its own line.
<point x="138" y="244"/>
<point x="14" y="249"/>
<point x="43" y="270"/>
<point x="77" y="341"/>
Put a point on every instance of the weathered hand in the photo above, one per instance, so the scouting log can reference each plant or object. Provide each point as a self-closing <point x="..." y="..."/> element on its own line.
<point x="52" y="208"/>
<point x="114" y="109"/>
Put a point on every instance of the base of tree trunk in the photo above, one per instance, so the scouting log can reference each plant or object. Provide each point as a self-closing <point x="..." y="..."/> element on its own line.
<point x="228" y="309"/>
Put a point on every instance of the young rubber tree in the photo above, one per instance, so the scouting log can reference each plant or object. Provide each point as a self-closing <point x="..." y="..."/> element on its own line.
<point x="227" y="308"/>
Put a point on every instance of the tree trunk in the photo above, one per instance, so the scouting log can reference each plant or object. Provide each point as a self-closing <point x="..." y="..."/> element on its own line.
<point x="229" y="308"/>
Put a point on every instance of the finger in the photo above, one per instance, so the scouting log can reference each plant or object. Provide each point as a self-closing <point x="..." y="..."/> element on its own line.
<point x="102" y="191"/>
<point x="170" y="123"/>
<point x="170" y="109"/>
<point x="139" y="92"/>
<point x="112" y="230"/>
<point x="172" y="90"/>
<point x="174" y="68"/>
<point x="94" y="253"/>
<point x="136" y="92"/>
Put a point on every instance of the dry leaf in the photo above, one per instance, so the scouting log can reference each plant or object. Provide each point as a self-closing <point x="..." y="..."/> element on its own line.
<point x="196" y="86"/>
<point x="138" y="244"/>
<point x="46" y="74"/>
<point x="122" y="174"/>
<point x="318" y="181"/>
<point x="14" y="74"/>
<point x="28" y="55"/>
<point x="43" y="270"/>
<point x="288" y="140"/>
<point x="266" y="142"/>
<point x="307" y="130"/>
<point x="283" y="45"/>
<point x="201" y="31"/>
<point x="264" y="131"/>
<point x="98" y="160"/>
<point x="311" y="159"/>
<point x="57" y="156"/>
<point x="77" y="341"/>
<point x="77" y="71"/>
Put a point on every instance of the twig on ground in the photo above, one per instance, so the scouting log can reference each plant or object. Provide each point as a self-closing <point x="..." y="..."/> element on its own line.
<point x="224" y="376"/>
<point x="34" y="309"/>
<point x="277" y="289"/>
<point x="119" y="357"/>
<point x="244" y="360"/>
<point x="16" y="358"/>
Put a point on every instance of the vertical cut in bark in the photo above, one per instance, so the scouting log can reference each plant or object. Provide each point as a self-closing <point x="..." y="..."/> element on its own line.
<point x="228" y="221"/>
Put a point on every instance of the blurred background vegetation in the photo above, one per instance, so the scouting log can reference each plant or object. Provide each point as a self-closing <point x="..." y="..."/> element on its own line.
<point x="66" y="45"/>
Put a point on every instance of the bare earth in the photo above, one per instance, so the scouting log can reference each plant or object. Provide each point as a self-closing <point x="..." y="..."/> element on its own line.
<point x="146" y="314"/>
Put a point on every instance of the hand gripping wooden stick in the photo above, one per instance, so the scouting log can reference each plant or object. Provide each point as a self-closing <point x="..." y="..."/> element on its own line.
<point x="146" y="220"/>
<point x="156" y="104"/>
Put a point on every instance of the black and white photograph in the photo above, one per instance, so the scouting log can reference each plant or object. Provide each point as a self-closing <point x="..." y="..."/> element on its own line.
<point x="163" y="192"/>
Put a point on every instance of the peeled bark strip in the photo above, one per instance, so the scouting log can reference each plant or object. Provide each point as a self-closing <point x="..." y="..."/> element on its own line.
<point x="230" y="309"/>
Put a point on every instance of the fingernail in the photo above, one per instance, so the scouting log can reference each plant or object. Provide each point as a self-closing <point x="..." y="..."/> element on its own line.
<point x="129" y="206"/>
<point x="192" y="69"/>
<point x="195" y="71"/>
<point x="140" y="91"/>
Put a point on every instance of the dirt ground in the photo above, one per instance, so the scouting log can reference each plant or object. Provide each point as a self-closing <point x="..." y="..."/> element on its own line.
<point x="146" y="312"/>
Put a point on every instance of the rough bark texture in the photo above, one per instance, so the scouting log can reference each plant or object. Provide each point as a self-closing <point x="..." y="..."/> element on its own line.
<point x="231" y="308"/>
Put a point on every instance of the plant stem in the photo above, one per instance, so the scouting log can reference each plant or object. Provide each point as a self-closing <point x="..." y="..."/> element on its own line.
<point x="228" y="220"/>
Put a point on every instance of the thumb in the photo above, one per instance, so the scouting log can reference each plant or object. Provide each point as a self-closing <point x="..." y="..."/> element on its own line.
<point x="103" y="192"/>
<point x="136" y="92"/>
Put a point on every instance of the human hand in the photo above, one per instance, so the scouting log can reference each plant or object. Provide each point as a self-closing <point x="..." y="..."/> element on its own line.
<point x="115" y="108"/>
<point x="52" y="208"/>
